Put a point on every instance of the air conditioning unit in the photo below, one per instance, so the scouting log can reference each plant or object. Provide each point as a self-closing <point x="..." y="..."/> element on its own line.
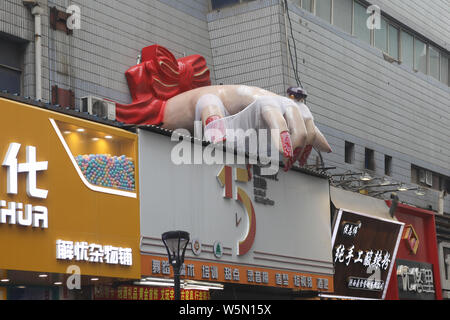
<point x="100" y="107"/>
<point x="429" y="178"/>
<point x="422" y="176"/>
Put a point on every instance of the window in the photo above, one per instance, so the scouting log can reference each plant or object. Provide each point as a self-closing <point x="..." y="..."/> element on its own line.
<point x="360" y="20"/>
<point x="393" y="41"/>
<point x="323" y="9"/>
<point x="217" y="4"/>
<point x="434" y="62"/>
<point x="11" y="54"/>
<point x="307" y="5"/>
<point x="429" y="179"/>
<point x="381" y="36"/>
<point x="349" y="152"/>
<point x="369" y="160"/>
<point x="420" y="56"/>
<point x="445" y="69"/>
<point x="342" y="14"/>
<point x="387" y="165"/>
<point x="407" y="45"/>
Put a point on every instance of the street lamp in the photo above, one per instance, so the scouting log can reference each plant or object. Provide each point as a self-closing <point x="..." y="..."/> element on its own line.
<point x="176" y="243"/>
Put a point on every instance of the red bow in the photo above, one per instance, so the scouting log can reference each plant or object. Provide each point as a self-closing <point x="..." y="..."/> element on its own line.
<point x="158" y="78"/>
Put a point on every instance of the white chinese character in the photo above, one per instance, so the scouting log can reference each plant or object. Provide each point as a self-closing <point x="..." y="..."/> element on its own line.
<point x="111" y="254"/>
<point x="183" y="270"/>
<point x="156" y="266"/>
<point x="205" y="272"/>
<point x="214" y="272"/>
<point x="265" y="277"/>
<point x="278" y="279"/>
<point x="309" y="280"/>
<point x="80" y="251"/>
<point x="339" y="255"/>
<point x="303" y="281"/>
<point x="428" y="285"/>
<point x="125" y="256"/>
<point x="190" y="270"/>
<point x="258" y="277"/>
<point x="250" y="276"/>
<point x="31" y="167"/>
<point x="95" y="253"/>
<point x="346" y="229"/>
<point x="319" y="283"/>
<point x="368" y="258"/>
<point x="165" y="267"/>
<point x="359" y="259"/>
<point x="386" y="261"/>
<point x="227" y="273"/>
<point x="296" y="281"/>
<point x="376" y="263"/>
<point x="349" y="255"/>
<point x="235" y="274"/>
<point x="285" y="279"/>
<point x="64" y="250"/>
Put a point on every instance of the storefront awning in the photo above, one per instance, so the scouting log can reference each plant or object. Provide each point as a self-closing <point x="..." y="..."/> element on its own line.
<point x="343" y="199"/>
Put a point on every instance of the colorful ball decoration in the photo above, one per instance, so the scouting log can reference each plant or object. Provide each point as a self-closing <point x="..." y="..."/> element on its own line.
<point x="108" y="171"/>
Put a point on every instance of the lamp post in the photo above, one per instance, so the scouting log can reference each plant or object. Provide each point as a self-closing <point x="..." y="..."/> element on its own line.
<point x="176" y="243"/>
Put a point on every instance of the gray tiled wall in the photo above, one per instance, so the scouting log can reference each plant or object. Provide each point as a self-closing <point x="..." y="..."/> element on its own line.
<point x="355" y="94"/>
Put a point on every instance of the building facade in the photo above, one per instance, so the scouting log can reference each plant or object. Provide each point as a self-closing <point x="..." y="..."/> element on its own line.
<point x="376" y="72"/>
<point x="381" y="96"/>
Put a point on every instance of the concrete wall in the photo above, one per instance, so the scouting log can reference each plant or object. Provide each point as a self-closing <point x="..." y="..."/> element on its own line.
<point x="16" y="20"/>
<point x="94" y="59"/>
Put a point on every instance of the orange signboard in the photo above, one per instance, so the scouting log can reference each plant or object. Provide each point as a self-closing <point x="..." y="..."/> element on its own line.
<point x="63" y="199"/>
<point x="209" y="271"/>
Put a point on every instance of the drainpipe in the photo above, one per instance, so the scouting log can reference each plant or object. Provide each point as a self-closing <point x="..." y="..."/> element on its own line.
<point x="37" y="11"/>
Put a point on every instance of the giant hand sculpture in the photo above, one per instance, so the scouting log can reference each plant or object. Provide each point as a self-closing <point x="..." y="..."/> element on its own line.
<point x="176" y="93"/>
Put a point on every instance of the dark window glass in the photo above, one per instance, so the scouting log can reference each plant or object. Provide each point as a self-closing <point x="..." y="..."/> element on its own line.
<point x="369" y="162"/>
<point x="217" y="4"/>
<point x="10" y="80"/>
<point x="349" y="152"/>
<point x="11" y="54"/>
<point x="387" y="165"/>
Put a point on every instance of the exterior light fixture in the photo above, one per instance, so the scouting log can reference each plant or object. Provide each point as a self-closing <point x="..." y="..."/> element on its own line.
<point x="366" y="177"/>
<point x="58" y="283"/>
<point x="402" y="188"/>
<point x="43" y="276"/>
<point x="4" y="280"/>
<point x="421" y="192"/>
<point x="108" y="137"/>
<point x="67" y="132"/>
<point x="176" y="243"/>
<point x="94" y="279"/>
<point x="80" y="130"/>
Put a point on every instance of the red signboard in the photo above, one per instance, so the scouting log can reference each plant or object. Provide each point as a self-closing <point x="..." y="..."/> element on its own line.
<point x="418" y="245"/>
<point x="146" y="293"/>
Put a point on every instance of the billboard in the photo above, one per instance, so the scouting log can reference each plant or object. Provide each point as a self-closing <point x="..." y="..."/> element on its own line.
<point x="69" y="194"/>
<point x="245" y="227"/>
<point x="364" y="251"/>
